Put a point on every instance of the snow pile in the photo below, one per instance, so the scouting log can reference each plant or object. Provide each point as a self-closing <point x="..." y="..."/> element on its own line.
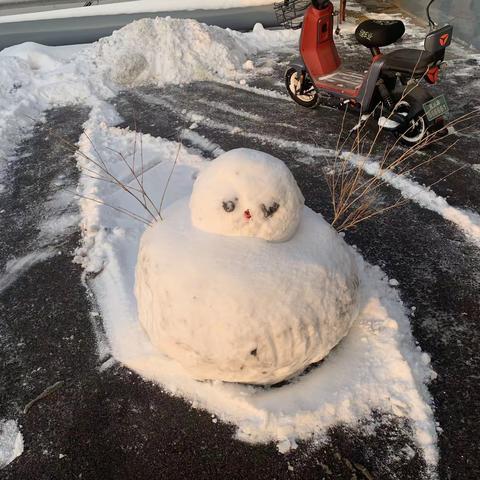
<point x="151" y="51"/>
<point x="163" y="50"/>
<point x="247" y="193"/>
<point x="11" y="442"/>
<point x="243" y="309"/>
<point x="375" y="367"/>
<point x="15" y="75"/>
<point x="261" y="38"/>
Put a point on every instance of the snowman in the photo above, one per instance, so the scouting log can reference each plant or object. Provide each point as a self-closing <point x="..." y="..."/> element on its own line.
<point x="241" y="282"/>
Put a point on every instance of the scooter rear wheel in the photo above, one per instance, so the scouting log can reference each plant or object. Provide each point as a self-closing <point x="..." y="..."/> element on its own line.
<point x="417" y="129"/>
<point x="305" y="95"/>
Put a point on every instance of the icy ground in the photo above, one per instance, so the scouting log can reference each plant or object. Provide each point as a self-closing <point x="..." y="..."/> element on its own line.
<point x="121" y="424"/>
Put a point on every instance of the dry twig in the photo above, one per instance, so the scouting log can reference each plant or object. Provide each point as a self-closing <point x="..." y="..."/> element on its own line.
<point x="96" y="168"/>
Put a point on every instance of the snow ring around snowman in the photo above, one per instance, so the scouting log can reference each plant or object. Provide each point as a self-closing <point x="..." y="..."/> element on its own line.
<point x="242" y="309"/>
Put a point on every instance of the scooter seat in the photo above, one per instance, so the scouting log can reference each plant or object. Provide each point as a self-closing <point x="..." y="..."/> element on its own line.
<point x="379" y="33"/>
<point x="410" y="61"/>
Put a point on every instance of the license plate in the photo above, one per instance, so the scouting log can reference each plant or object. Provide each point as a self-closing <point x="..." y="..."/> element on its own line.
<point x="435" y="108"/>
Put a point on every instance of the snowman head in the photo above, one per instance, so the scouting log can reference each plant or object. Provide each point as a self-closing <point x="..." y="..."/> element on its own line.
<point x="247" y="193"/>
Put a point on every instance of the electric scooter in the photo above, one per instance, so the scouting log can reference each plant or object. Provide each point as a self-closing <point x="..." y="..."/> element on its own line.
<point x="390" y="89"/>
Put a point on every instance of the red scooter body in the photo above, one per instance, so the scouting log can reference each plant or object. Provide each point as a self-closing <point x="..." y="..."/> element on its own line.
<point x="391" y="82"/>
<point x="317" y="47"/>
<point x="319" y="53"/>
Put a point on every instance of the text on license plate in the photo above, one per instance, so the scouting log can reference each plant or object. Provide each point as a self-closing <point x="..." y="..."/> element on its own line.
<point x="435" y="108"/>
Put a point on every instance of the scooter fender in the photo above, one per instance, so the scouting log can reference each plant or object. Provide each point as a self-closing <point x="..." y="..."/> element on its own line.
<point x="298" y="65"/>
<point x="416" y="96"/>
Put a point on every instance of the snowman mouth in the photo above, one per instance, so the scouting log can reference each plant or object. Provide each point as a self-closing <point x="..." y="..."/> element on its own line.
<point x="247" y="215"/>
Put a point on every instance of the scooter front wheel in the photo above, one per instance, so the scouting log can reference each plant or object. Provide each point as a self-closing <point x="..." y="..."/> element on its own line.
<point x="301" y="89"/>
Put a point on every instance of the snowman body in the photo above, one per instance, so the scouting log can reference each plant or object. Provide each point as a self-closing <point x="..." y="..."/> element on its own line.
<point x="235" y="306"/>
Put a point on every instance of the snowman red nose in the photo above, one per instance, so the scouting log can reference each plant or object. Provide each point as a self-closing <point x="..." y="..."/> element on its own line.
<point x="247" y="215"/>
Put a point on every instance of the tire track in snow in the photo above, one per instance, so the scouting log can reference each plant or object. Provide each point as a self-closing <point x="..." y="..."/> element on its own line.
<point x="308" y="122"/>
<point x="468" y="222"/>
<point x="15" y="268"/>
<point x="206" y="146"/>
<point x="256" y="90"/>
<point x="199" y="118"/>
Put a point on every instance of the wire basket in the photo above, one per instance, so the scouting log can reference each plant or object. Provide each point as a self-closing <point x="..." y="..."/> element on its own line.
<point x="290" y="12"/>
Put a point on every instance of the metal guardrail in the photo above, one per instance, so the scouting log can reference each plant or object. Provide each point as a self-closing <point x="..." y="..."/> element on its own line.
<point x="289" y="13"/>
<point x="76" y="30"/>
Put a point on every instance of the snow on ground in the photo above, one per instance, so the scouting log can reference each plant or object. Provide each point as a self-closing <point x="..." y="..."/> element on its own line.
<point x="17" y="266"/>
<point x="376" y="366"/>
<point x="138" y="6"/>
<point x="35" y="77"/>
<point x="11" y="442"/>
<point x="190" y="51"/>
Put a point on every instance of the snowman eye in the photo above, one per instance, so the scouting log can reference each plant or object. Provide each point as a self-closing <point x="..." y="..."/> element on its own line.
<point x="268" y="212"/>
<point x="229" y="206"/>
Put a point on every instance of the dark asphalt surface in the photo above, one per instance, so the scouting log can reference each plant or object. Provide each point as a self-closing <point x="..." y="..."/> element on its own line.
<point x="111" y="424"/>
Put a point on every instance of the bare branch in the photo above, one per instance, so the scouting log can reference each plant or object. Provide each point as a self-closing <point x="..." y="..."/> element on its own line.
<point x="168" y="180"/>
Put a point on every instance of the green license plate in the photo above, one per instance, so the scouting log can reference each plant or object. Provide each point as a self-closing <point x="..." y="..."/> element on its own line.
<point x="435" y="108"/>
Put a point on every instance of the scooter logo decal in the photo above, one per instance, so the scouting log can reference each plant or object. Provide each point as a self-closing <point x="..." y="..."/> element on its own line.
<point x="444" y="39"/>
<point x="363" y="34"/>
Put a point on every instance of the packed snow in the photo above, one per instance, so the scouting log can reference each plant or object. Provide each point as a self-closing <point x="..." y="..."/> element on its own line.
<point x="247" y="193"/>
<point x="245" y="309"/>
<point x="11" y="442"/>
